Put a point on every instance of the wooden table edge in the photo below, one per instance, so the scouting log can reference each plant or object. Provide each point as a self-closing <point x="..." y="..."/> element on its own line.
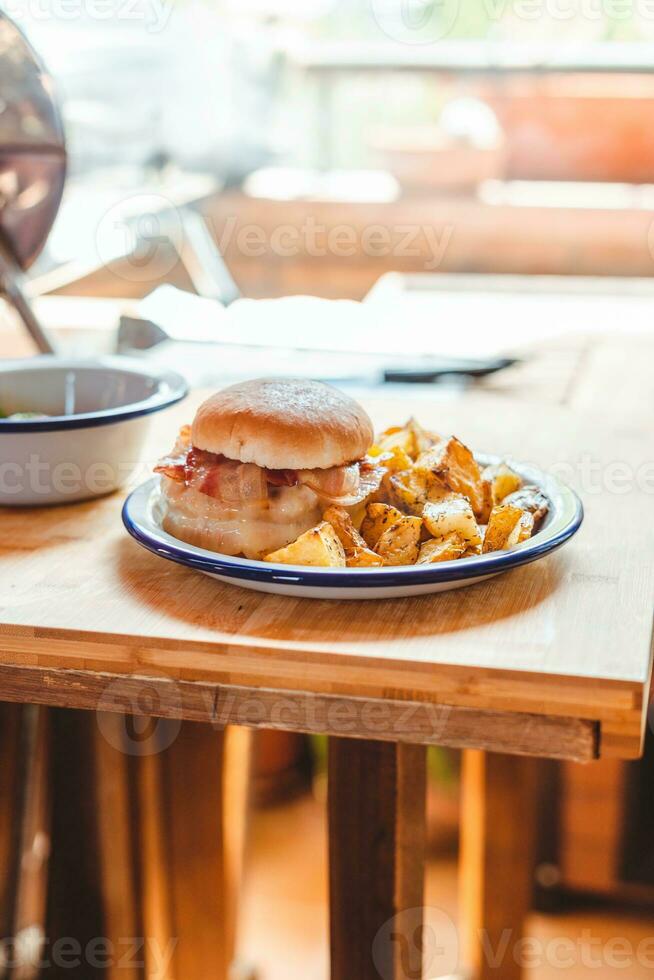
<point x="382" y="719"/>
<point x="616" y="706"/>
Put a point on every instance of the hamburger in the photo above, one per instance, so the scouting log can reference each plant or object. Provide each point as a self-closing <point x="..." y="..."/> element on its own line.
<point x="261" y="462"/>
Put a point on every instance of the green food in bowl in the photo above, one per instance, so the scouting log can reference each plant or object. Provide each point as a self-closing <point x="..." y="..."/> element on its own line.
<point x="17" y="416"/>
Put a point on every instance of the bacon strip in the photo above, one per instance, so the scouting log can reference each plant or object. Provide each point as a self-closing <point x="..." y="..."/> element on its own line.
<point x="232" y="481"/>
<point x="369" y="481"/>
<point x="174" y="467"/>
<point x="282" y="478"/>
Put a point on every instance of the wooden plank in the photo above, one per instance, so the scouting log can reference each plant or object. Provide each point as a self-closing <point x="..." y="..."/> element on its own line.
<point x="155" y="866"/>
<point x="116" y="851"/>
<point x="24" y="832"/>
<point x="237" y="768"/>
<point x="172" y="805"/>
<point x="10" y="808"/>
<point x="75" y="915"/>
<point x="497" y="831"/>
<point x="618" y="703"/>
<point x="376" y="859"/>
<point x="490" y="239"/>
<point x="590" y="849"/>
<point x="528" y="641"/>
<point x="205" y="798"/>
<point x="421" y="722"/>
<point x="34" y="845"/>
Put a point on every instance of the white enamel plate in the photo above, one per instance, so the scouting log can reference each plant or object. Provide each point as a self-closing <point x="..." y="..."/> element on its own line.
<point x="142" y="518"/>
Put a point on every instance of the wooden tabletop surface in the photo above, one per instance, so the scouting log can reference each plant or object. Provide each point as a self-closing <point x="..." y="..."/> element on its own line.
<point x="555" y="655"/>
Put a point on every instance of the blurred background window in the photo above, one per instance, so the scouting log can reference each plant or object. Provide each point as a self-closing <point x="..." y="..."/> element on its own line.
<point x="531" y="115"/>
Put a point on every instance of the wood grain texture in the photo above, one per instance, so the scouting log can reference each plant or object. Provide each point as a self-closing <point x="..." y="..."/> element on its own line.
<point x="385" y="719"/>
<point x="168" y="811"/>
<point x="10" y="811"/>
<point x="376" y="859"/>
<point x="203" y="802"/>
<point x="590" y="850"/>
<point x="155" y="866"/>
<point x="496" y="863"/>
<point x="75" y="905"/>
<point x="569" y="636"/>
<point x="115" y="842"/>
<point x="24" y="832"/>
<point x="34" y="847"/>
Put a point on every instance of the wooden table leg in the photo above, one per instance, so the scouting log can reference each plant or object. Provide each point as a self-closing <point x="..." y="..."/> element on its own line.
<point x="497" y="848"/>
<point x="376" y="859"/>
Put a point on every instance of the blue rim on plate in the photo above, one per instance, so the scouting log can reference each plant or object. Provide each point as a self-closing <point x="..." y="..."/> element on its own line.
<point x="564" y="519"/>
<point x="171" y="388"/>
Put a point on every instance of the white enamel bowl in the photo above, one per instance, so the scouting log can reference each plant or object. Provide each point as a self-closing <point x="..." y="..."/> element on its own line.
<point x="98" y="415"/>
<point x="142" y="516"/>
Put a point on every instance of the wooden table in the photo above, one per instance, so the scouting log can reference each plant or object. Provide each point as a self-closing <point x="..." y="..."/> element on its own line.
<point x="552" y="660"/>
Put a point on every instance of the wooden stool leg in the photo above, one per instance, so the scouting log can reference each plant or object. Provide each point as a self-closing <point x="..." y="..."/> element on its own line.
<point x="206" y="783"/>
<point x="171" y="838"/>
<point x="376" y="859"/>
<point x="115" y="845"/>
<point x="24" y="834"/>
<point x="10" y="809"/>
<point x="497" y="847"/>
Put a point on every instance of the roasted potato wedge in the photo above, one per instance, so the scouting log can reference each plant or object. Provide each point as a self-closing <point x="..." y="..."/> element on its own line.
<point x="503" y="481"/>
<point x="358" y="511"/>
<point x="503" y="520"/>
<point x="433" y="504"/>
<point x="523" y="530"/>
<point x="453" y="515"/>
<point x="442" y="549"/>
<point x="532" y="499"/>
<point x="342" y="523"/>
<point x="423" y="439"/>
<point x="453" y="464"/>
<point x="319" y="545"/>
<point x="395" y="459"/>
<point x="411" y="438"/>
<point x="486" y="503"/>
<point x="398" y="544"/>
<point x="378" y="519"/>
<point x="410" y="490"/>
<point x="362" y="558"/>
<point x="397" y="437"/>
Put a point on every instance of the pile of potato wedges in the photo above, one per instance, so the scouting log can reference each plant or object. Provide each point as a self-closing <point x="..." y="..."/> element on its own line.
<point x="434" y="504"/>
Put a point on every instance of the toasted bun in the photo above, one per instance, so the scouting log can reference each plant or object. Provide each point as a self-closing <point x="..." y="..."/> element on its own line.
<point x="283" y="423"/>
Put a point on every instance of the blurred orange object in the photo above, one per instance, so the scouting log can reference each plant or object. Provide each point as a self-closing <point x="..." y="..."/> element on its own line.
<point x="577" y="127"/>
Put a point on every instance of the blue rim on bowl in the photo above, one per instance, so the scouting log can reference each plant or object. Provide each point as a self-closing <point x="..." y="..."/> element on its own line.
<point x="559" y="527"/>
<point x="171" y="388"/>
